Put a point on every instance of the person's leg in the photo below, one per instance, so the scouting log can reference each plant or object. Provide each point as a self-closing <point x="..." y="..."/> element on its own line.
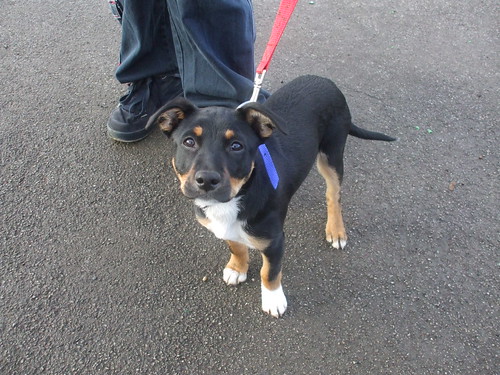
<point x="214" y="43"/>
<point x="146" y="45"/>
<point x="148" y="64"/>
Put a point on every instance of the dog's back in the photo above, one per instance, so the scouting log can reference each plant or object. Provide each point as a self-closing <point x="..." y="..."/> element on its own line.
<point x="315" y="117"/>
<point x="309" y="100"/>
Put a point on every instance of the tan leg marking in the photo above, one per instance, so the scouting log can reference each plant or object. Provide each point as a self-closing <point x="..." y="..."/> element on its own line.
<point x="335" y="230"/>
<point x="264" y="275"/>
<point x="239" y="257"/>
<point x="259" y="243"/>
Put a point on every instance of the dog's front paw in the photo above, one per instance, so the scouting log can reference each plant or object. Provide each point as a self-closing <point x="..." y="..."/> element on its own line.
<point x="337" y="239"/>
<point x="273" y="301"/>
<point x="232" y="277"/>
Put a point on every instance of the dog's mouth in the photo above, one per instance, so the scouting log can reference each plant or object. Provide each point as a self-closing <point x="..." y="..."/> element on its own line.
<point x="220" y="195"/>
<point x="206" y="186"/>
<point x="211" y="186"/>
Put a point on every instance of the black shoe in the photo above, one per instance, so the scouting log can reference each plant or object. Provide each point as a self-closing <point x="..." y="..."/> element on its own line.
<point x="127" y="122"/>
<point x="169" y="87"/>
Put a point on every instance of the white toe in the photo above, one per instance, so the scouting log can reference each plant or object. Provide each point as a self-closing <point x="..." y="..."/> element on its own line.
<point x="232" y="277"/>
<point x="273" y="301"/>
<point x="338" y="243"/>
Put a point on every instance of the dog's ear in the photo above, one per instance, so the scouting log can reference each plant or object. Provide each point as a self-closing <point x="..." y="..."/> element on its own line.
<point x="262" y="120"/>
<point x="171" y="114"/>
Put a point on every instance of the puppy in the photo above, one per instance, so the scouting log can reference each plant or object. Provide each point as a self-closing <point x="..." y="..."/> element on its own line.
<point x="242" y="166"/>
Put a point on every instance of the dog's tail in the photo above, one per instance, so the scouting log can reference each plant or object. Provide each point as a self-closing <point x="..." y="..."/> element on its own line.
<point x="367" y="134"/>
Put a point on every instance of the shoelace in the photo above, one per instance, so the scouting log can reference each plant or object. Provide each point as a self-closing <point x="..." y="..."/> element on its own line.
<point x="137" y="97"/>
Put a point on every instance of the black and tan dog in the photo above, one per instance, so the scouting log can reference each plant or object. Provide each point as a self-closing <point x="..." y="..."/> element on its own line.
<point x="241" y="168"/>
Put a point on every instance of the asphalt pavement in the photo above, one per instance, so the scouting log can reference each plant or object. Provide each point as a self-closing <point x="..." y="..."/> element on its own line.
<point x="104" y="270"/>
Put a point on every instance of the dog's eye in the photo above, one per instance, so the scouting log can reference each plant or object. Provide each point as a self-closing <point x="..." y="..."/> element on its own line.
<point x="189" y="142"/>
<point x="236" y="146"/>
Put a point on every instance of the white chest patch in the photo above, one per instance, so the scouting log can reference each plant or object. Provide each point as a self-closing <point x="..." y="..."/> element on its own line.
<point x="223" y="220"/>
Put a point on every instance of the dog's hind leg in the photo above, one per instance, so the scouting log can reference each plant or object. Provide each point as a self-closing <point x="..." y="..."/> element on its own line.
<point x="335" y="230"/>
<point x="237" y="267"/>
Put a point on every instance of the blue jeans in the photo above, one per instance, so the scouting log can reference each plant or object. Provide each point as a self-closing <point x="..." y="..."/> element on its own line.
<point x="209" y="43"/>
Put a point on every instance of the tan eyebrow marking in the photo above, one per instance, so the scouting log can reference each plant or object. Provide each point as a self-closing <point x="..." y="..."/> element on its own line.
<point x="198" y="131"/>
<point x="229" y="134"/>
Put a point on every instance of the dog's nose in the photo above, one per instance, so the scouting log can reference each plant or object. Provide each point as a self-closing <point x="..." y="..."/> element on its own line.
<point x="207" y="180"/>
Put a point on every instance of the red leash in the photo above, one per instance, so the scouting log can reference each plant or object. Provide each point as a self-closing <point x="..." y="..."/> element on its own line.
<point x="285" y="11"/>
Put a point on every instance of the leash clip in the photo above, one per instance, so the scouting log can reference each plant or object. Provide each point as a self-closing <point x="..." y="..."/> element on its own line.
<point x="257" y="84"/>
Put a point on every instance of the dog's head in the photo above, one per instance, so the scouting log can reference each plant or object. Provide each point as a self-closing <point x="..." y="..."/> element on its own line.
<point x="215" y="146"/>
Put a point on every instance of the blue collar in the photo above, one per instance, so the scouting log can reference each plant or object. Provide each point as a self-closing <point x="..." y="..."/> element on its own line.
<point x="270" y="168"/>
